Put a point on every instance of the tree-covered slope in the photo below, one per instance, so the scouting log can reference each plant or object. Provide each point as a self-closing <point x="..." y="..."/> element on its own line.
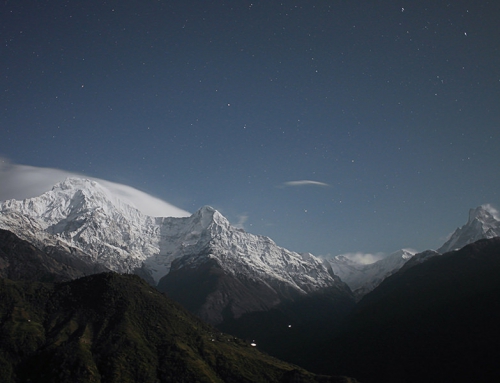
<point x="117" y="328"/>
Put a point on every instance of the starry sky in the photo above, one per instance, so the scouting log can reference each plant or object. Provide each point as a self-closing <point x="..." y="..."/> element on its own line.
<point x="330" y="126"/>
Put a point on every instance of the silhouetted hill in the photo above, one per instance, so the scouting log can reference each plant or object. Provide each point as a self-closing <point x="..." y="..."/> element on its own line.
<point x="117" y="328"/>
<point x="434" y="322"/>
<point x="294" y="330"/>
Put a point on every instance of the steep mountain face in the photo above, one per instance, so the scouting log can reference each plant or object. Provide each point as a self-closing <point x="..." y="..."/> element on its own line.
<point x="237" y="272"/>
<point x="109" y="328"/>
<point x="483" y="223"/>
<point x="363" y="278"/>
<point x="244" y="272"/>
<point x="436" y="321"/>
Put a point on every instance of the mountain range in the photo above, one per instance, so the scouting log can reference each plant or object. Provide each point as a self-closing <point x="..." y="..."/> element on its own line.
<point x="301" y="308"/>
<point x="362" y="278"/>
<point x="237" y="272"/>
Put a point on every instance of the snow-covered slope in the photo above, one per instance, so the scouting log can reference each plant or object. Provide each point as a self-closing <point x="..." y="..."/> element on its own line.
<point x="83" y="214"/>
<point x="227" y="272"/>
<point x="483" y="223"/>
<point x="362" y="278"/>
<point x="254" y="256"/>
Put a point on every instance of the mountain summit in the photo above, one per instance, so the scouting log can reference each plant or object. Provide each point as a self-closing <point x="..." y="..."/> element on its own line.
<point x="483" y="223"/>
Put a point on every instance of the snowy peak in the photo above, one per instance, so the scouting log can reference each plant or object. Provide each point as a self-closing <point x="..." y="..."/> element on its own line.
<point x="362" y="278"/>
<point x="485" y="214"/>
<point x="208" y="217"/>
<point x="483" y="223"/>
<point x="257" y="257"/>
<point x="69" y="199"/>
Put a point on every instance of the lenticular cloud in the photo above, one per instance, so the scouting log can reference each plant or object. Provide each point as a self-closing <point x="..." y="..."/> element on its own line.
<point x="304" y="182"/>
<point x="21" y="181"/>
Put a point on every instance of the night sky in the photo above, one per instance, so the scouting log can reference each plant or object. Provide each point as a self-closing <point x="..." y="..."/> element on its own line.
<point x="390" y="108"/>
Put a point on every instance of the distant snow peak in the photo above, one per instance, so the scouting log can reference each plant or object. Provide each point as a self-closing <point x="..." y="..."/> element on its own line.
<point x="483" y="223"/>
<point x="362" y="258"/>
<point x="364" y="277"/>
<point x="485" y="213"/>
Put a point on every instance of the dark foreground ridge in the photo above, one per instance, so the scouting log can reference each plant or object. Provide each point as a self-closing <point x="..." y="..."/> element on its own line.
<point x="437" y="321"/>
<point x="117" y="328"/>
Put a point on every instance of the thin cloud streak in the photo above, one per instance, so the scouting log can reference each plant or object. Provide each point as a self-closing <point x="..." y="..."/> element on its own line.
<point x="22" y="181"/>
<point x="304" y="182"/>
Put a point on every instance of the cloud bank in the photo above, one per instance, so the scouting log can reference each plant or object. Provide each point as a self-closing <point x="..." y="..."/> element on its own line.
<point x="364" y="258"/>
<point x="22" y="181"/>
<point x="304" y="182"/>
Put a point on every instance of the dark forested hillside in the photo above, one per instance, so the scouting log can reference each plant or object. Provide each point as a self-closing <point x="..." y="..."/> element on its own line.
<point x="117" y="328"/>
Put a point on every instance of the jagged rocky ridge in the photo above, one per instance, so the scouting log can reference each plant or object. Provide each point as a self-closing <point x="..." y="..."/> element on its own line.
<point x="82" y="217"/>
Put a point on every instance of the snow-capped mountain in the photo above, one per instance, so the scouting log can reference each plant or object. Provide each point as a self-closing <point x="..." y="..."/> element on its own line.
<point x="253" y="255"/>
<point x="363" y="278"/>
<point x="236" y="272"/>
<point x="483" y="223"/>
<point x="82" y="214"/>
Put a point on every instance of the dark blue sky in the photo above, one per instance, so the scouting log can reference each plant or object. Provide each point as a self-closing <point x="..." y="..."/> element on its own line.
<point x="394" y="105"/>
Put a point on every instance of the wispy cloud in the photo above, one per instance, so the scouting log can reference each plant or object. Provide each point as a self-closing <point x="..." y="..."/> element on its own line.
<point x="242" y="218"/>
<point x="304" y="183"/>
<point x="494" y="212"/>
<point x="22" y="181"/>
<point x="364" y="258"/>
